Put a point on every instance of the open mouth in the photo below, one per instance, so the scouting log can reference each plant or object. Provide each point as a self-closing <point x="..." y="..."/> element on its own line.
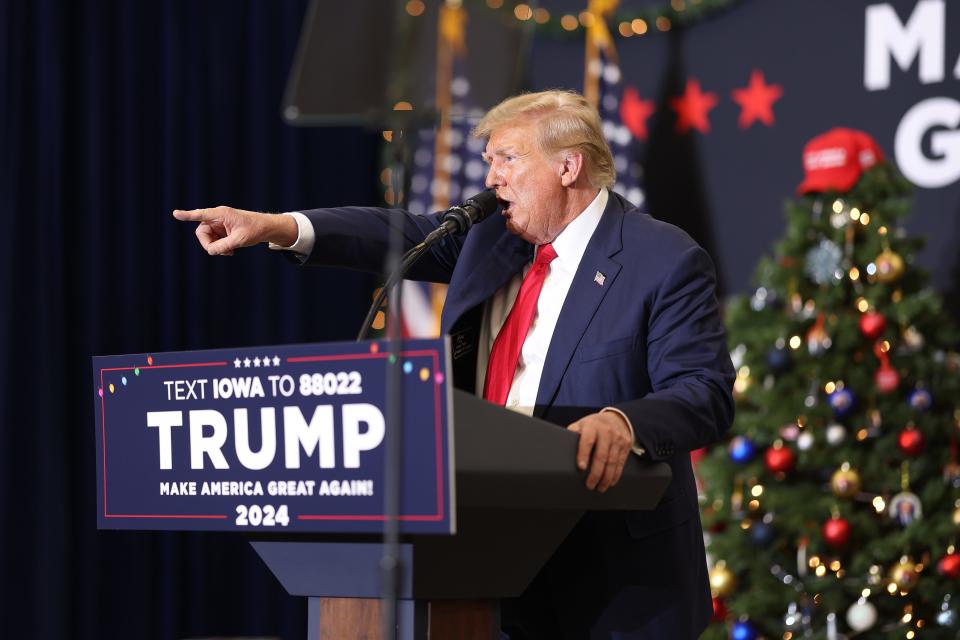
<point x="504" y="206"/>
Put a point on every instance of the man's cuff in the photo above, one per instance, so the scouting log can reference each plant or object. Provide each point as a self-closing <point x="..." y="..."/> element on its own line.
<point x="305" y="236"/>
<point x="635" y="447"/>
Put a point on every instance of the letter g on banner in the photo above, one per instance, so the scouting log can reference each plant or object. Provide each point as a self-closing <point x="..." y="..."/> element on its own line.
<point x="940" y="117"/>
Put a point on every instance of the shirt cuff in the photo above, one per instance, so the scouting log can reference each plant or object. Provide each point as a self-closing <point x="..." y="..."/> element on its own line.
<point x="305" y="236"/>
<point x="635" y="447"/>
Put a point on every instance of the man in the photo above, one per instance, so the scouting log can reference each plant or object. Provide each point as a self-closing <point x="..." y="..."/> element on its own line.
<point x="570" y="299"/>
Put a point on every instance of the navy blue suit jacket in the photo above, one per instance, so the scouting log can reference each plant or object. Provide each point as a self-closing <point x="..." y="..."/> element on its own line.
<point x="649" y="341"/>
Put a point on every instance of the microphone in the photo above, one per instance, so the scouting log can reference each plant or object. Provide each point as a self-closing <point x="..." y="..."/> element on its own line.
<point x="458" y="219"/>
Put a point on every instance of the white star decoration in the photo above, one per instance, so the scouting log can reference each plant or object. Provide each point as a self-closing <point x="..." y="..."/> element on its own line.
<point x="265" y="361"/>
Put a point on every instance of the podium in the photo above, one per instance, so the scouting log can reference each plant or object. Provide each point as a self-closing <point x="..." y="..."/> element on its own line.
<point x="285" y="443"/>
<point x="518" y="494"/>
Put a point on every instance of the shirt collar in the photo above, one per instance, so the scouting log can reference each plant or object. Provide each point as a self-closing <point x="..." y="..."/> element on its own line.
<point x="572" y="241"/>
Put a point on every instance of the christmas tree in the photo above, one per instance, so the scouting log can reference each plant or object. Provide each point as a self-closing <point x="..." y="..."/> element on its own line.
<point x="833" y="508"/>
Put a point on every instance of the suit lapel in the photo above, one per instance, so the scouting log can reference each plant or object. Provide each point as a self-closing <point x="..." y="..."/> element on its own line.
<point x="594" y="278"/>
<point x="490" y="271"/>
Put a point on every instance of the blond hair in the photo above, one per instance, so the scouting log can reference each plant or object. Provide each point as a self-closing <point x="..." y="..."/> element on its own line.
<point x="565" y="121"/>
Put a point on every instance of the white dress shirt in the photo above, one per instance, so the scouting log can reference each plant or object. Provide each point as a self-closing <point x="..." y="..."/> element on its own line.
<point x="569" y="245"/>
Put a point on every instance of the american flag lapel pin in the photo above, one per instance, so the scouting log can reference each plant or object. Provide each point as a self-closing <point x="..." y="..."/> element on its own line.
<point x="599" y="278"/>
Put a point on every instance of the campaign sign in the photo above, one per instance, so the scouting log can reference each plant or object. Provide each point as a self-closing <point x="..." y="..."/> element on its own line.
<point x="283" y="438"/>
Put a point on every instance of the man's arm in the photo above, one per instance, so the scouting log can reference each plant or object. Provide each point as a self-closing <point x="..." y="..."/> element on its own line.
<point x="222" y="230"/>
<point x="689" y="365"/>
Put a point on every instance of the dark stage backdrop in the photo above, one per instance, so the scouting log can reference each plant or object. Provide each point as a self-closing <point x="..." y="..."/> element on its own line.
<point x="113" y="114"/>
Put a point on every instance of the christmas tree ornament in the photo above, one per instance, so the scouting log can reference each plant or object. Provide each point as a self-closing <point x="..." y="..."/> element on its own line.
<point x="792" y="618"/>
<point x="861" y="615"/>
<point x="779" y="458"/>
<point x="872" y="325"/>
<point x="949" y="565"/>
<point x="722" y="580"/>
<point x="719" y="610"/>
<point x="910" y="441"/>
<point x="790" y="432"/>
<point x="845" y="481"/>
<point x="886" y="378"/>
<point x="889" y="266"/>
<point x="839" y="214"/>
<point x="805" y="440"/>
<point x="841" y="401"/>
<point x="737" y="356"/>
<point x="818" y="340"/>
<point x="762" y="534"/>
<point x="955" y="518"/>
<point x="920" y="399"/>
<point x="836" y="532"/>
<point x="911" y="340"/>
<point x="778" y="359"/>
<point x="742" y="450"/>
<point x="763" y="298"/>
<point x="836" y="434"/>
<point x="947" y="616"/>
<point x="904" y="574"/>
<point x="743" y="630"/>
<point x="905" y="507"/>
<point x="823" y="262"/>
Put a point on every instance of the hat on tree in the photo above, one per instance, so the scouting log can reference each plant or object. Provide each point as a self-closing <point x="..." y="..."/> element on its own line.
<point x="835" y="160"/>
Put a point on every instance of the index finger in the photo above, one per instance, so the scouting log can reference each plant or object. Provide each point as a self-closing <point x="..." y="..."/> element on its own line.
<point x="195" y="215"/>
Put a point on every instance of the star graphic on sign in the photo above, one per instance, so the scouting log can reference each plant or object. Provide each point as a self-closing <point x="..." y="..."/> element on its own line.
<point x="276" y="361"/>
<point x="634" y="112"/>
<point x="256" y="362"/>
<point x="236" y="363"/>
<point x="266" y="361"/>
<point x="692" y="108"/>
<point x="756" y="100"/>
<point x="246" y="362"/>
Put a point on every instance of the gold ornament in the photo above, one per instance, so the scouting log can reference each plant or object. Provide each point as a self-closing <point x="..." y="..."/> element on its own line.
<point x="722" y="580"/>
<point x="845" y="481"/>
<point x="889" y="266"/>
<point x="904" y="574"/>
<point x="956" y="516"/>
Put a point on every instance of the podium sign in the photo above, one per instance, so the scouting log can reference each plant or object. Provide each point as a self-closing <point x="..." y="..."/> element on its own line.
<point x="271" y="439"/>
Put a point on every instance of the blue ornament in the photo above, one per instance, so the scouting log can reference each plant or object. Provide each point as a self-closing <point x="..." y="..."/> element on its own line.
<point x="742" y="450"/>
<point x="762" y="534"/>
<point x="842" y="402"/>
<point x="778" y="359"/>
<point x="920" y="399"/>
<point x="743" y="630"/>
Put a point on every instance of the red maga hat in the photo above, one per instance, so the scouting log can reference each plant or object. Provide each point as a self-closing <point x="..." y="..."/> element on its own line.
<point x="835" y="160"/>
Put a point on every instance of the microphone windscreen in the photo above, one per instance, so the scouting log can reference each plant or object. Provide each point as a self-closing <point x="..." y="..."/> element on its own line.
<point x="484" y="202"/>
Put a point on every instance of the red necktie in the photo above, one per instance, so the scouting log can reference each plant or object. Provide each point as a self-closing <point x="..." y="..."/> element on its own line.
<point x="506" y="348"/>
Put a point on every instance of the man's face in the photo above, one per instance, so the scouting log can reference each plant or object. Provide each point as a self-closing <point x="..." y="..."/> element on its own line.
<point x="528" y="183"/>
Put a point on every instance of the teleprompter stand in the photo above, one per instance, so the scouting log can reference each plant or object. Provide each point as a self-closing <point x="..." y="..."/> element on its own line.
<point x="518" y="494"/>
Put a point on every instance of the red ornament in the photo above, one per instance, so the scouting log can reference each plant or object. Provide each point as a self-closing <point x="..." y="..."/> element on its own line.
<point x="779" y="458"/>
<point x="886" y="378"/>
<point x="872" y="325"/>
<point x="949" y="566"/>
<point x="836" y="532"/>
<point x="719" y="610"/>
<point x="911" y="441"/>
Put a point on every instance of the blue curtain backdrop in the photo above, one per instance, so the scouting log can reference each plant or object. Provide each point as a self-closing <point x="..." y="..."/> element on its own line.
<point x="112" y="115"/>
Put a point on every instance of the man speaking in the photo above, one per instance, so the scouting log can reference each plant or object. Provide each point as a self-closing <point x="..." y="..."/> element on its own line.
<point x="570" y="298"/>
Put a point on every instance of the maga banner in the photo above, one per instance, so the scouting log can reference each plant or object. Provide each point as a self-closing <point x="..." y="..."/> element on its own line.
<point x="283" y="438"/>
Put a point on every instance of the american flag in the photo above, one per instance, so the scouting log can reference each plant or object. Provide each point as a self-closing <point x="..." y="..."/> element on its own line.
<point x="435" y="188"/>
<point x="622" y="143"/>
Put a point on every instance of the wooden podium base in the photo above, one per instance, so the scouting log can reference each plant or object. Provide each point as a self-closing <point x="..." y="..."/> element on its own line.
<point x="361" y="619"/>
